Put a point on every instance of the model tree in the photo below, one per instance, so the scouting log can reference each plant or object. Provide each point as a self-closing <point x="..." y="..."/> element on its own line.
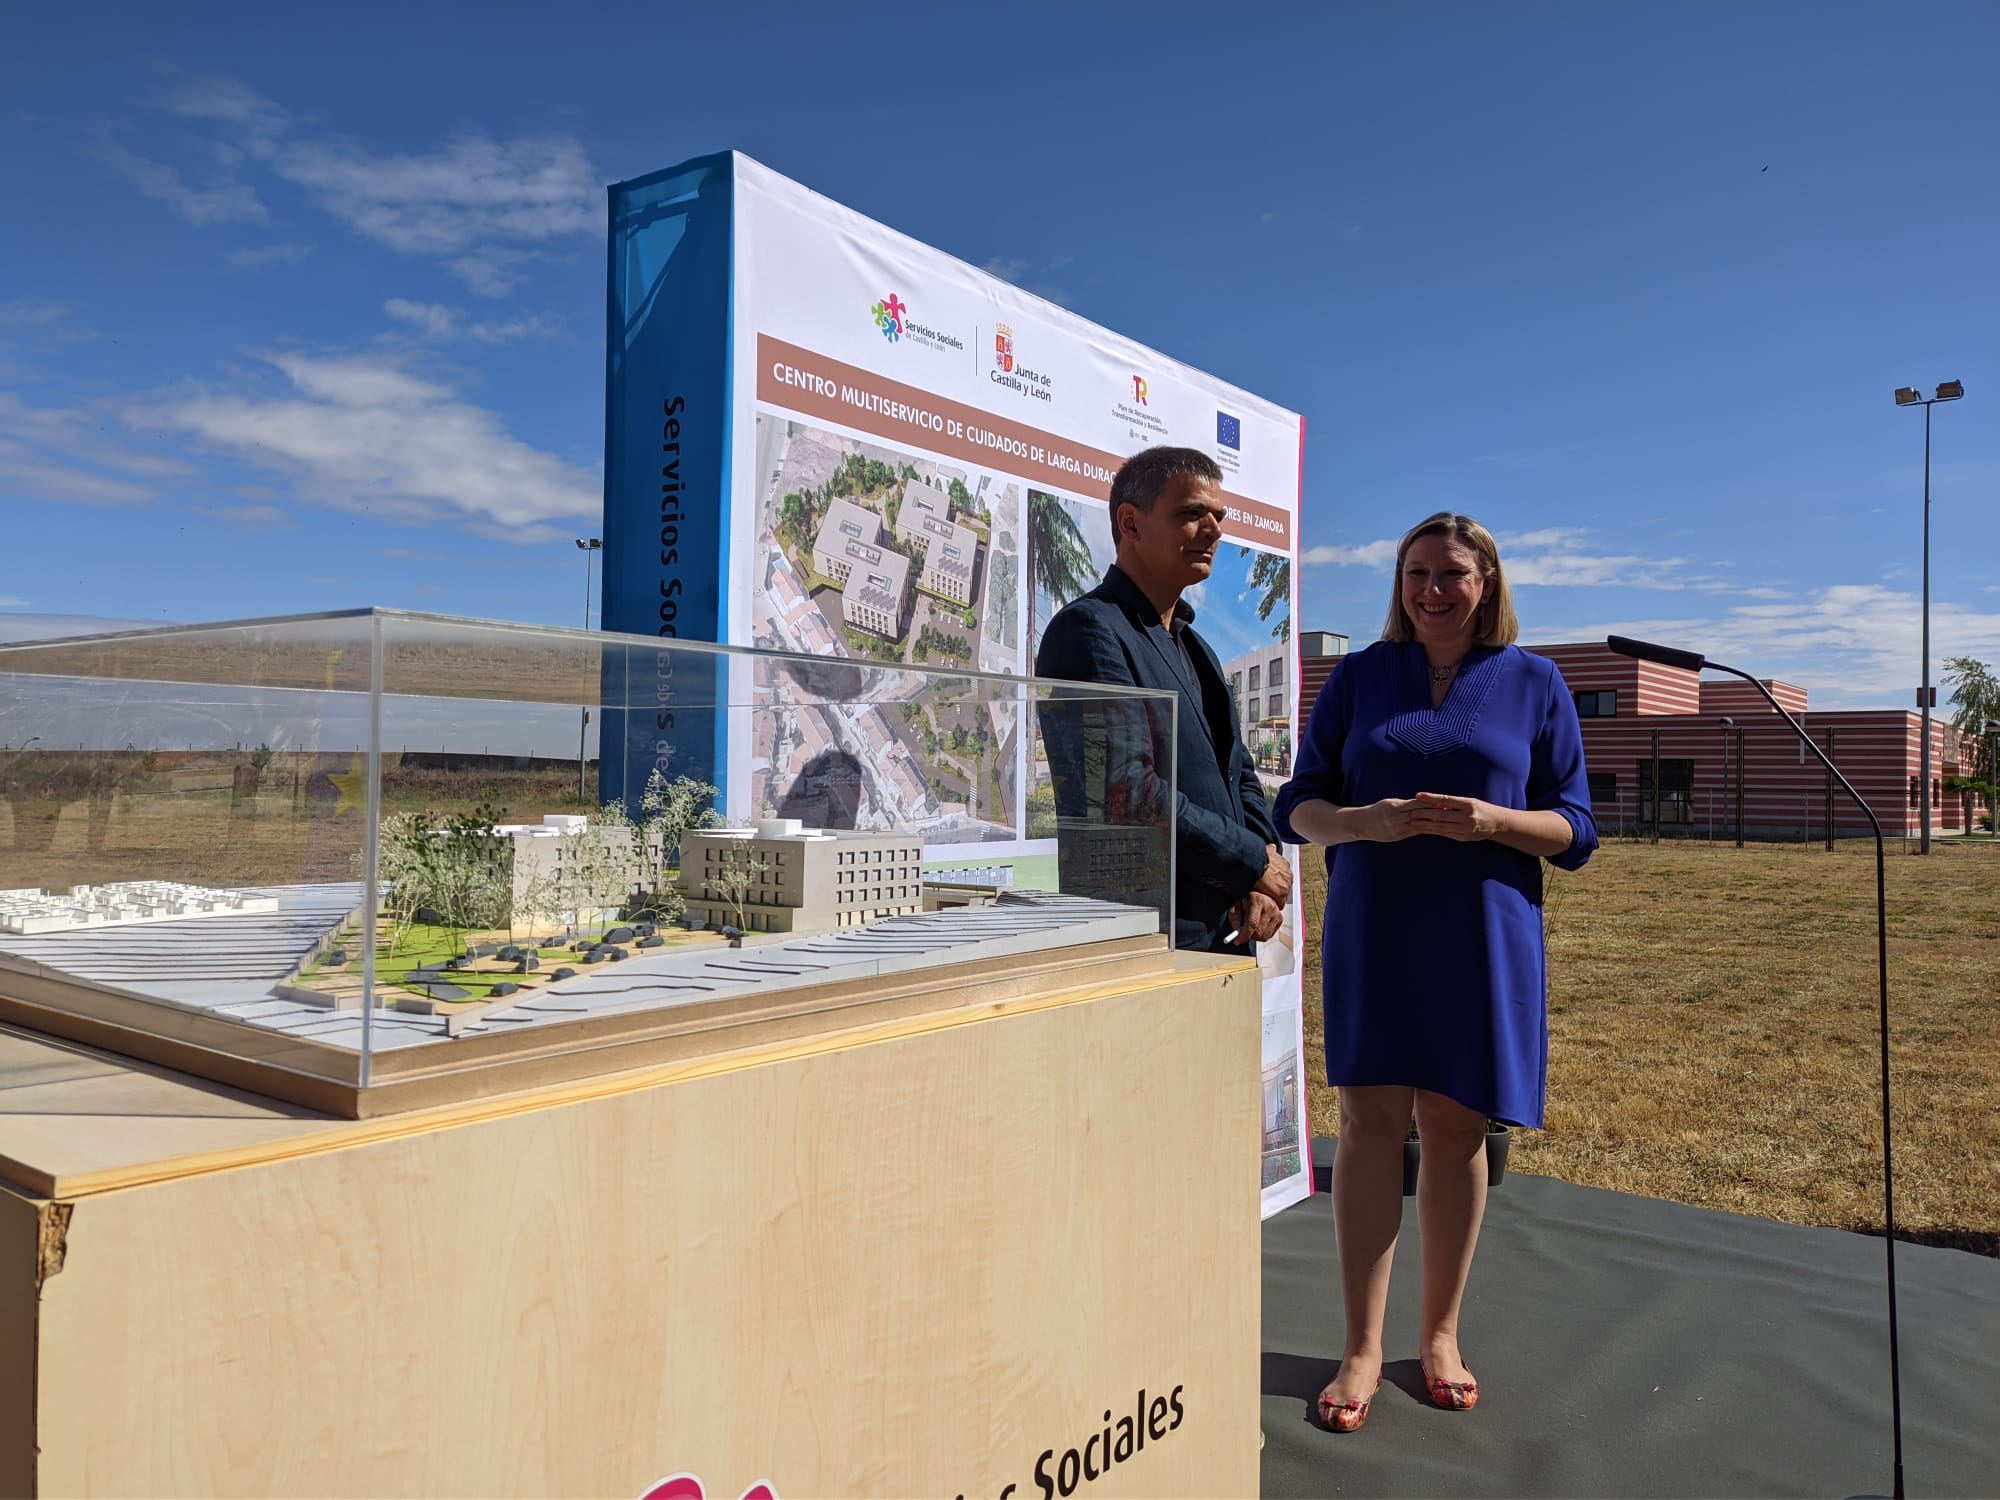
<point x="600" y="865"/>
<point x="452" y="868"/>
<point x="401" y="864"/>
<point x="669" y="810"/>
<point x="736" y="872"/>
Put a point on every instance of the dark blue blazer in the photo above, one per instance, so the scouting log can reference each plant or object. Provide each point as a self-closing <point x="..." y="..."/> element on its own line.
<point x="1101" y="758"/>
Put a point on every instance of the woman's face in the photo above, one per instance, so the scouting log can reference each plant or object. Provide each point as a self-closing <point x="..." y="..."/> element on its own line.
<point x="1442" y="587"/>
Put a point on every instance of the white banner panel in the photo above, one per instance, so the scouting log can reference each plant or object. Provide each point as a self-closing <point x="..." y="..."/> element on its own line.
<point x="883" y="393"/>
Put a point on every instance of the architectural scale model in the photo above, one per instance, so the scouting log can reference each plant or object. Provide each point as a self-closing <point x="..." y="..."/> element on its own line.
<point x="234" y="966"/>
<point x="781" y="876"/>
<point x="121" y="905"/>
<point x="542" y="859"/>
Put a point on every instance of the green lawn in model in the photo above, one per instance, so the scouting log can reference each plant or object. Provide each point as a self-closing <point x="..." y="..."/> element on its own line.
<point x="428" y="946"/>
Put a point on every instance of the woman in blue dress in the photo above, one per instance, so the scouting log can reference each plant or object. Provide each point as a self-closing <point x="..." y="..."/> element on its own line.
<point x="1440" y="766"/>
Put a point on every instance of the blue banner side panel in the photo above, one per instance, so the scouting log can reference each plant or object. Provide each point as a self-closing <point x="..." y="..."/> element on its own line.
<point x="666" y="473"/>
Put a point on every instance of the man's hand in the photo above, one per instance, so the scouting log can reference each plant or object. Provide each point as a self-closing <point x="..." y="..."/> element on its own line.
<point x="1256" y="918"/>
<point x="1276" y="881"/>
<point x="1465" y="819"/>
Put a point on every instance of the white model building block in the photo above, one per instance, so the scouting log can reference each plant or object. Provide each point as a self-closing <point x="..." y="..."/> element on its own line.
<point x="123" y="904"/>
<point x="797" y="879"/>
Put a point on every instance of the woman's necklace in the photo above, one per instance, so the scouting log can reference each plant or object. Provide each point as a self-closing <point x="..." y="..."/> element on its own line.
<point x="1441" y="675"/>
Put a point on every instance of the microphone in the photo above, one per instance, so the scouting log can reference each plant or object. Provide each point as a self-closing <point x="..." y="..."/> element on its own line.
<point x="1694" y="661"/>
<point x="1671" y="656"/>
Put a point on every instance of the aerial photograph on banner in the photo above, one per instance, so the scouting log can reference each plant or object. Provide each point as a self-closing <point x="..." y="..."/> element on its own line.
<point x="1281" y="1099"/>
<point x="1243" y="610"/>
<point x="888" y="556"/>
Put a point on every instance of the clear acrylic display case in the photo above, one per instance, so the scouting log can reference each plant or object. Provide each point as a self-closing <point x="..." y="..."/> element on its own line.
<point x="194" y="820"/>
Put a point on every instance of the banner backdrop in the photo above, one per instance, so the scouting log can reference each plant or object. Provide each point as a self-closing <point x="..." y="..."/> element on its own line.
<point x="822" y="436"/>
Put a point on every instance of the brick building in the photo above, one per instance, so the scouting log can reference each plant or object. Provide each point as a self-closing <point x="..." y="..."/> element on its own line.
<point x="1716" y="742"/>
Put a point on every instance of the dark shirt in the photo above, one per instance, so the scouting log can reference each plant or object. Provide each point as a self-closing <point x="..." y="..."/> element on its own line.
<point x="1107" y="756"/>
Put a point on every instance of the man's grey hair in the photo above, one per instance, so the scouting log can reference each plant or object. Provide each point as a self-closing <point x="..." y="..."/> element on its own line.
<point x="1144" y="477"/>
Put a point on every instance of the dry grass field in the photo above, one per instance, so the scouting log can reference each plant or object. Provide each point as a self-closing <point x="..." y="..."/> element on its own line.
<point x="1713" y="1033"/>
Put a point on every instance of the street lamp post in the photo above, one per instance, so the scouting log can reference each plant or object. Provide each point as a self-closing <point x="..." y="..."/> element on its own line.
<point x="590" y="546"/>
<point x="1725" y="724"/>
<point x="1950" y="390"/>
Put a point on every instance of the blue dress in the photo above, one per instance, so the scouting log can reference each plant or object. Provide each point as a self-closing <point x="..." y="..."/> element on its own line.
<point x="1432" y="959"/>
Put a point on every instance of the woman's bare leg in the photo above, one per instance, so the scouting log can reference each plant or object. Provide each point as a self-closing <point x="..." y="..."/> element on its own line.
<point x="1367" y="1214"/>
<point x="1451" y="1201"/>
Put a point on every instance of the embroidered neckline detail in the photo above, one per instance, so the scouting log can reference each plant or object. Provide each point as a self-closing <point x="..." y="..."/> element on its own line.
<point x="1450" y="726"/>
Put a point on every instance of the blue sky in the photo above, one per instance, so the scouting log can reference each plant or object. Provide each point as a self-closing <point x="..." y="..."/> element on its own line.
<point x="303" y="309"/>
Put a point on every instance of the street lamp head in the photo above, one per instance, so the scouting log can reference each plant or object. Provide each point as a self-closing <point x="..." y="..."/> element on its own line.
<point x="1907" y="396"/>
<point x="1951" y="390"/>
<point x="589" y="544"/>
<point x="1993" y="726"/>
<point x="1724" y="722"/>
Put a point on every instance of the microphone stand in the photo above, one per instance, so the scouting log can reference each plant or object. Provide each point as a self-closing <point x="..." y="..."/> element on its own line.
<point x="1695" y="662"/>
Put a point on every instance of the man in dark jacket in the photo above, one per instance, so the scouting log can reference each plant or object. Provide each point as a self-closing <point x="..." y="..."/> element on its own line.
<point x="1231" y="881"/>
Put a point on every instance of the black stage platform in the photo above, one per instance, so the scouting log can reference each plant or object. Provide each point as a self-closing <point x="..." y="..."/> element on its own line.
<point x="1628" y="1346"/>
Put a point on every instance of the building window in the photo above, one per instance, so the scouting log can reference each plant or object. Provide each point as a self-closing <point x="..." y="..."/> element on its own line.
<point x="1256" y="678"/>
<point x="1598" y="705"/>
<point x="1276" y="676"/>
<point x="1250" y="712"/>
<point x="1603" y="789"/>
<point x="1676" y="791"/>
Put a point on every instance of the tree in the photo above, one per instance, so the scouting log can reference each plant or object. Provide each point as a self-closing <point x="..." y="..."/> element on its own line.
<point x="737" y="870"/>
<point x="401" y="862"/>
<point x="472" y="885"/>
<point x="1059" y="563"/>
<point x="668" y="811"/>
<point x="454" y="868"/>
<point x="1975" y="697"/>
<point x="1272" y="573"/>
<point x="600" y="864"/>
<point x="960" y="496"/>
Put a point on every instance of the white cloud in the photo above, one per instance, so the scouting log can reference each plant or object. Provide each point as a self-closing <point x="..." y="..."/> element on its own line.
<point x="431" y="319"/>
<point x="1367" y="555"/>
<point x="64" y="454"/>
<point x="256" y="258"/>
<point x="255" y="516"/>
<point x="361" y="433"/>
<point x="485" y="207"/>
<point x="1560" y="557"/>
<point x="435" y="321"/>
<point x="471" y="191"/>
<point x="234" y="103"/>
<point x="1851" y="645"/>
<point x="226" y="203"/>
<point x="41" y="322"/>
<point x="536" y="327"/>
<point x="32" y="312"/>
<point x="27" y="476"/>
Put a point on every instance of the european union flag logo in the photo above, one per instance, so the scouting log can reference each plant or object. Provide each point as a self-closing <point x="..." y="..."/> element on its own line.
<point x="1229" y="431"/>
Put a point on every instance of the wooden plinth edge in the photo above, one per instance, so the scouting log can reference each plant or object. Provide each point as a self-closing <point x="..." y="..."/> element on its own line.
<point x="316" y="1137"/>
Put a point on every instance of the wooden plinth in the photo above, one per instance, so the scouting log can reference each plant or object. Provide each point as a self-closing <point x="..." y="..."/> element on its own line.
<point x="924" y="1255"/>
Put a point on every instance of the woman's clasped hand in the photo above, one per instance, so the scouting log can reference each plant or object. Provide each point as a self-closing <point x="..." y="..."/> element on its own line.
<point x="1465" y="819"/>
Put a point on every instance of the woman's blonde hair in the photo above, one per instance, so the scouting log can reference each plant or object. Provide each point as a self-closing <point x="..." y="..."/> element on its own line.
<point x="1495" y="623"/>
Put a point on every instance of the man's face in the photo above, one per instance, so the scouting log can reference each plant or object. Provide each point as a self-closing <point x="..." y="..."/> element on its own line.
<point x="1172" y="546"/>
